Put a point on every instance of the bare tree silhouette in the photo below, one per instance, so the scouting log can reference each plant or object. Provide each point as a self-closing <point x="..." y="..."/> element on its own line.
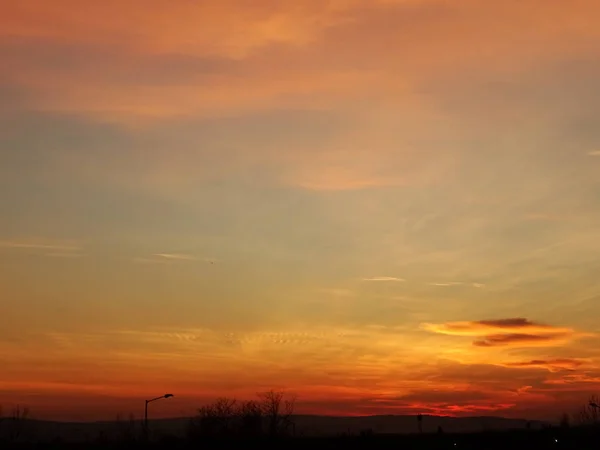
<point x="250" y="418"/>
<point x="228" y="417"/>
<point x="590" y="413"/>
<point x="14" y="425"/>
<point x="126" y="428"/>
<point x="278" y="411"/>
<point x="216" y="419"/>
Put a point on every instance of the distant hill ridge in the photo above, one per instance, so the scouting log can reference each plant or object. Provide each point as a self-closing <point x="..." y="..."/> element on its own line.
<point x="308" y="425"/>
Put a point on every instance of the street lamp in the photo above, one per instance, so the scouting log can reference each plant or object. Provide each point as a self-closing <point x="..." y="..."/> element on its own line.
<point x="146" y="410"/>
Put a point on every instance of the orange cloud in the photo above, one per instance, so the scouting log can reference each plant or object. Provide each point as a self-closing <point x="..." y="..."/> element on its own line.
<point x="136" y="63"/>
<point x="576" y="380"/>
<point x="514" y="332"/>
<point x="160" y="25"/>
<point x="481" y="327"/>
<point x="553" y="365"/>
<point x="517" y="340"/>
<point x="281" y="51"/>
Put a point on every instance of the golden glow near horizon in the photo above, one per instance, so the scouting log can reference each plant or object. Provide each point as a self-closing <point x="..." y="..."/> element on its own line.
<point x="386" y="206"/>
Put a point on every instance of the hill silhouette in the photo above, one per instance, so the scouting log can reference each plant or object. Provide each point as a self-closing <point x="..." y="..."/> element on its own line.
<point x="306" y="425"/>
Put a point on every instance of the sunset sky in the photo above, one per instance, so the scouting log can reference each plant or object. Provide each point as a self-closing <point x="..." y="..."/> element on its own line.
<point x="382" y="206"/>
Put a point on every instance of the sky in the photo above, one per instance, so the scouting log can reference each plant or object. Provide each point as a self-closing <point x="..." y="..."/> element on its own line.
<point x="380" y="206"/>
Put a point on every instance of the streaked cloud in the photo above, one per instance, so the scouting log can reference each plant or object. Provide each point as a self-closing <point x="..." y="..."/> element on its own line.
<point x="515" y="332"/>
<point x="196" y="358"/>
<point x="457" y="283"/>
<point x="548" y="217"/>
<point x="594" y="153"/>
<point x="171" y="258"/>
<point x="45" y="247"/>
<point x="521" y="340"/>
<point x="42" y="245"/>
<point x="338" y="292"/>
<point x="176" y="256"/>
<point x="481" y="327"/>
<point x="142" y="260"/>
<point x="553" y="365"/>
<point x="384" y="279"/>
<point x="63" y="255"/>
<point x="338" y="179"/>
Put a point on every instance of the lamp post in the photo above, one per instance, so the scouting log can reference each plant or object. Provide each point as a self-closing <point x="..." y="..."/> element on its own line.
<point x="146" y="411"/>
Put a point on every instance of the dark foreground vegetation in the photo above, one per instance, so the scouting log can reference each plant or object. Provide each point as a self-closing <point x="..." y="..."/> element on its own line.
<point x="268" y="423"/>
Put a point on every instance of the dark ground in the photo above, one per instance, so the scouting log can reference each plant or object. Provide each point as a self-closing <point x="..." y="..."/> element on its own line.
<point x="305" y="425"/>
<point x="582" y="438"/>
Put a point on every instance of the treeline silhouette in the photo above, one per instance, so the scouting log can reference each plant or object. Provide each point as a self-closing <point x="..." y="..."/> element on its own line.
<point x="271" y="415"/>
<point x="268" y="423"/>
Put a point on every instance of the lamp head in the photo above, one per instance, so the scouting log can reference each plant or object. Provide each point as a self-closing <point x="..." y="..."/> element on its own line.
<point x="168" y="395"/>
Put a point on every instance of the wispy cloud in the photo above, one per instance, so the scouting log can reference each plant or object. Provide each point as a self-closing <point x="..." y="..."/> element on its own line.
<point x="41" y="245"/>
<point x="338" y="292"/>
<point x="63" y="255"/>
<point x="574" y="379"/>
<point x="457" y="283"/>
<point x="142" y="260"/>
<point x="383" y="279"/>
<point x="552" y="365"/>
<point x="594" y="153"/>
<point x="48" y="248"/>
<point x="324" y="180"/>
<point x="170" y="258"/>
<point x="546" y="217"/>
<point x="176" y="256"/>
